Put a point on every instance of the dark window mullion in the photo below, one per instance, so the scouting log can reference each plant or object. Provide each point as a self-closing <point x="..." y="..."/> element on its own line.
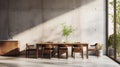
<point x="114" y="29"/>
<point x="107" y="27"/>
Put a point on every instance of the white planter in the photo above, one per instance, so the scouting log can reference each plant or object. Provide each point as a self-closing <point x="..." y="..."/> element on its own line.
<point x="100" y="52"/>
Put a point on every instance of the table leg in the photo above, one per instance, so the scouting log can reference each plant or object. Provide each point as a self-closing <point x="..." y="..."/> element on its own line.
<point x="58" y="51"/>
<point x="72" y="52"/>
<point x="87" y="51"/>
<point x="37" y="51"/>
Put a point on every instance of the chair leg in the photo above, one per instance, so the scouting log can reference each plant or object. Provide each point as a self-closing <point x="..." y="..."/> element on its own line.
<point x="42" y="53"/>
<point x="58" y="54"/>
<point x="67" y="55"/>
<point x="26" y="54"/>
<point x="97" y="53"/>
<point x="72" y="52"/>
<point x="50" y="55"/>
<point x="82" y="54"/>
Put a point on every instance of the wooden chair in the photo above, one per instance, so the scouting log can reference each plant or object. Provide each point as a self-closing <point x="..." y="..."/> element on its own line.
<point x="62" y="49"/>
<point x="94" y="48"/>
<point x="47" y="49"/>
<point x="29" y="48"/>
<point x="77" y="48"/>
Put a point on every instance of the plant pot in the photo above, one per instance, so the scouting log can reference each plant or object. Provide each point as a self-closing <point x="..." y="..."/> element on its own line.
<point x="100" y="52"/>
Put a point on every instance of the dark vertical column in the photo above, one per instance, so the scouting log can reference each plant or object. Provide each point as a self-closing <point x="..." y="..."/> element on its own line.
<point x="106" y="27"/>
<point x="9" y="36"/>
<point x="42" y="10"/>
<point x="42" y="15"/>
<point x="114" y="29"/>
<point x="5" y="31"/>
<point x="6" y="28"/>
<point x="4" y="19"/>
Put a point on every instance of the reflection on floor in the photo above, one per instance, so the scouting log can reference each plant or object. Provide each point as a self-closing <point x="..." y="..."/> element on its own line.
<point x="55" y="62"/>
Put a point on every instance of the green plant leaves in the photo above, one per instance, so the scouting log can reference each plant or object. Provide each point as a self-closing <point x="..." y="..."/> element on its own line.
<point x="111" y="41"/>
<point x="67" y="30"/>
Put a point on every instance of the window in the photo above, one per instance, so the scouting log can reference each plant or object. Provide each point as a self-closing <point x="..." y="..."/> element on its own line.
<point x="113" y="29"/>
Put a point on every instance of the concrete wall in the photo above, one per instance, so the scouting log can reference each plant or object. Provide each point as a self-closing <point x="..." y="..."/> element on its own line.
<point x="34" y="21"/>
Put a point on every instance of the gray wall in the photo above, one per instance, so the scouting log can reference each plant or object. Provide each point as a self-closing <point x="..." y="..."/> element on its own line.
<point x="34" y="21"/>
<point x="3" y="19"/>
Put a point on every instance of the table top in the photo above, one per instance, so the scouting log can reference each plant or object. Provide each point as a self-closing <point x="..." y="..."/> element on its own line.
<point x="84" y="44"/>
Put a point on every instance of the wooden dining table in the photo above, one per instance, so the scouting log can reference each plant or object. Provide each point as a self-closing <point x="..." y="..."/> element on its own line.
<point x="56" y="44"/>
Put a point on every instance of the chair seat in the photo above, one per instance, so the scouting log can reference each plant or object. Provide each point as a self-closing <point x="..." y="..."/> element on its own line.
<point x="77" y="50"/>
<point x="63" y="48"/>
<point x="31" y="49"/>
<point x="91" y="49"/>
<point x="31" y="46"/>
<point x="48" y="50"/>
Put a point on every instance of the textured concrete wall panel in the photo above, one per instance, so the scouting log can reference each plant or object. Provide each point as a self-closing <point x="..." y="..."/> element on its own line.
<point x="34" y="21"/>
<point x="3" y="4"/>
<point x="3" y="25"/>
<point x="21" y="21"/>
<point x="25" y="4"/>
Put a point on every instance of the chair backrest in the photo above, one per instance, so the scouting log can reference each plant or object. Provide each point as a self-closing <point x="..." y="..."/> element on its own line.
<point x="96" y="46"/>
<point x="29" y="46"/>
<point x="49" y="42"/>
<point x="78" y="44"/>
<point x="49" y="45"/>
<point x="62" y="45"/>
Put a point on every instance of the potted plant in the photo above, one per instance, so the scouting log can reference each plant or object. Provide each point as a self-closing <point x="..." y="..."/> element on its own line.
<point x="100" y="46"/>
<point x="66" y="31"/>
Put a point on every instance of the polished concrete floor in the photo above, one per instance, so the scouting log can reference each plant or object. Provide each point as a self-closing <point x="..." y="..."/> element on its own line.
<point x="93" y="61"/>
